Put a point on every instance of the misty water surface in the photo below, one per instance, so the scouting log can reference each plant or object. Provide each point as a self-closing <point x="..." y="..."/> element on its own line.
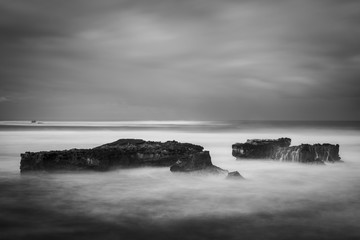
<point x="276" y="201"/>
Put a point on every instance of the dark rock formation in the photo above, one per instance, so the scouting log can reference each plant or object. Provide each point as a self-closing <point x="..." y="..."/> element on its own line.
<point x="197" y="162"/>
<point x="182" y="157"/>
<point x="122" y="153"/>
<point x="280" y="150"/>
<point x="234" y="175"/>
<point x="259" y="148"/>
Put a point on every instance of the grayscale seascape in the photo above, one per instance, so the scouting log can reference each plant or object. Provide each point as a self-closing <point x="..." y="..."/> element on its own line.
<point x="179" y="119"/>
<point x="278" y="200"/>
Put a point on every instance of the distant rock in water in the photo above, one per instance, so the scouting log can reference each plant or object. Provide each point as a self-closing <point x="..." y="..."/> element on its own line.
<point x="198" y="162"/>
<point x="35" y="121"/>
<point x="280" y="150"/>
<point x="125" y="153"/>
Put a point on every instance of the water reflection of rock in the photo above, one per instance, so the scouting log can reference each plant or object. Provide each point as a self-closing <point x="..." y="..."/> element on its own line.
<point x="280" y="149"/>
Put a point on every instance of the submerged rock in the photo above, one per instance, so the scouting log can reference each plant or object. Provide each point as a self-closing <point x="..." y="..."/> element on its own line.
<point x="280" y="150"/>
<point x="121" y="153"/>
<point x="197" y="162"/>
<point x="234" y="175"/>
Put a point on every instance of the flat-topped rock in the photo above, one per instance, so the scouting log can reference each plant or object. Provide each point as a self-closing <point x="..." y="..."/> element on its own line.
<point x="259" y="148"/>
<point x="280" y="149"/>
<point x="121" y="153"/>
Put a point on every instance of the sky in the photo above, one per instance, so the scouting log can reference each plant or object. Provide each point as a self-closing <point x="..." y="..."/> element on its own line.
<point x="179" y="60"/>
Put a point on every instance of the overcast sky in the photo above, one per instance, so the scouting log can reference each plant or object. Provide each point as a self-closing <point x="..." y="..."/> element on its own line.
<point x="180" y="60"/>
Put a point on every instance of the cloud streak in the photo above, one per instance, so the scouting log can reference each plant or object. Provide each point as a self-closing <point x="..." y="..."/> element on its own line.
<point x="4" y="99"/>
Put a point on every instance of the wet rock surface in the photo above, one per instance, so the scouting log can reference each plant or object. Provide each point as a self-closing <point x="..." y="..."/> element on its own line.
<point x="306" y="153"/>
<point x="280" y="149"/>
<point x="197" y="162"/>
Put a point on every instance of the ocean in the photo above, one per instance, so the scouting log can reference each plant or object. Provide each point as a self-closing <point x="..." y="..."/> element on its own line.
<point x="277" y="200"/>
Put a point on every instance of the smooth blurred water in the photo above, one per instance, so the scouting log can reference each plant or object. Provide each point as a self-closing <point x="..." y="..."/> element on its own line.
<point x="276" y="201"/>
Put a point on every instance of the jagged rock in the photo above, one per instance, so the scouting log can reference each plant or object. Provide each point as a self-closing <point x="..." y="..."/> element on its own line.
<point x="280" y="150"/>
<point x="197" y="162"/>
<point x="121" y="153"/>
<point x="259" y="148"/>
<point x="234" y="175"/>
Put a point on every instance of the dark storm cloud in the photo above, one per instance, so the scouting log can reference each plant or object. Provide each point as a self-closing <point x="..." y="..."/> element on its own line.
<point x="179" y="59"/>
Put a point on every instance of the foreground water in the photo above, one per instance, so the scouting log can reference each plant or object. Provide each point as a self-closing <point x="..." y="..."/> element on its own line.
<point x="276" y="201"/>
